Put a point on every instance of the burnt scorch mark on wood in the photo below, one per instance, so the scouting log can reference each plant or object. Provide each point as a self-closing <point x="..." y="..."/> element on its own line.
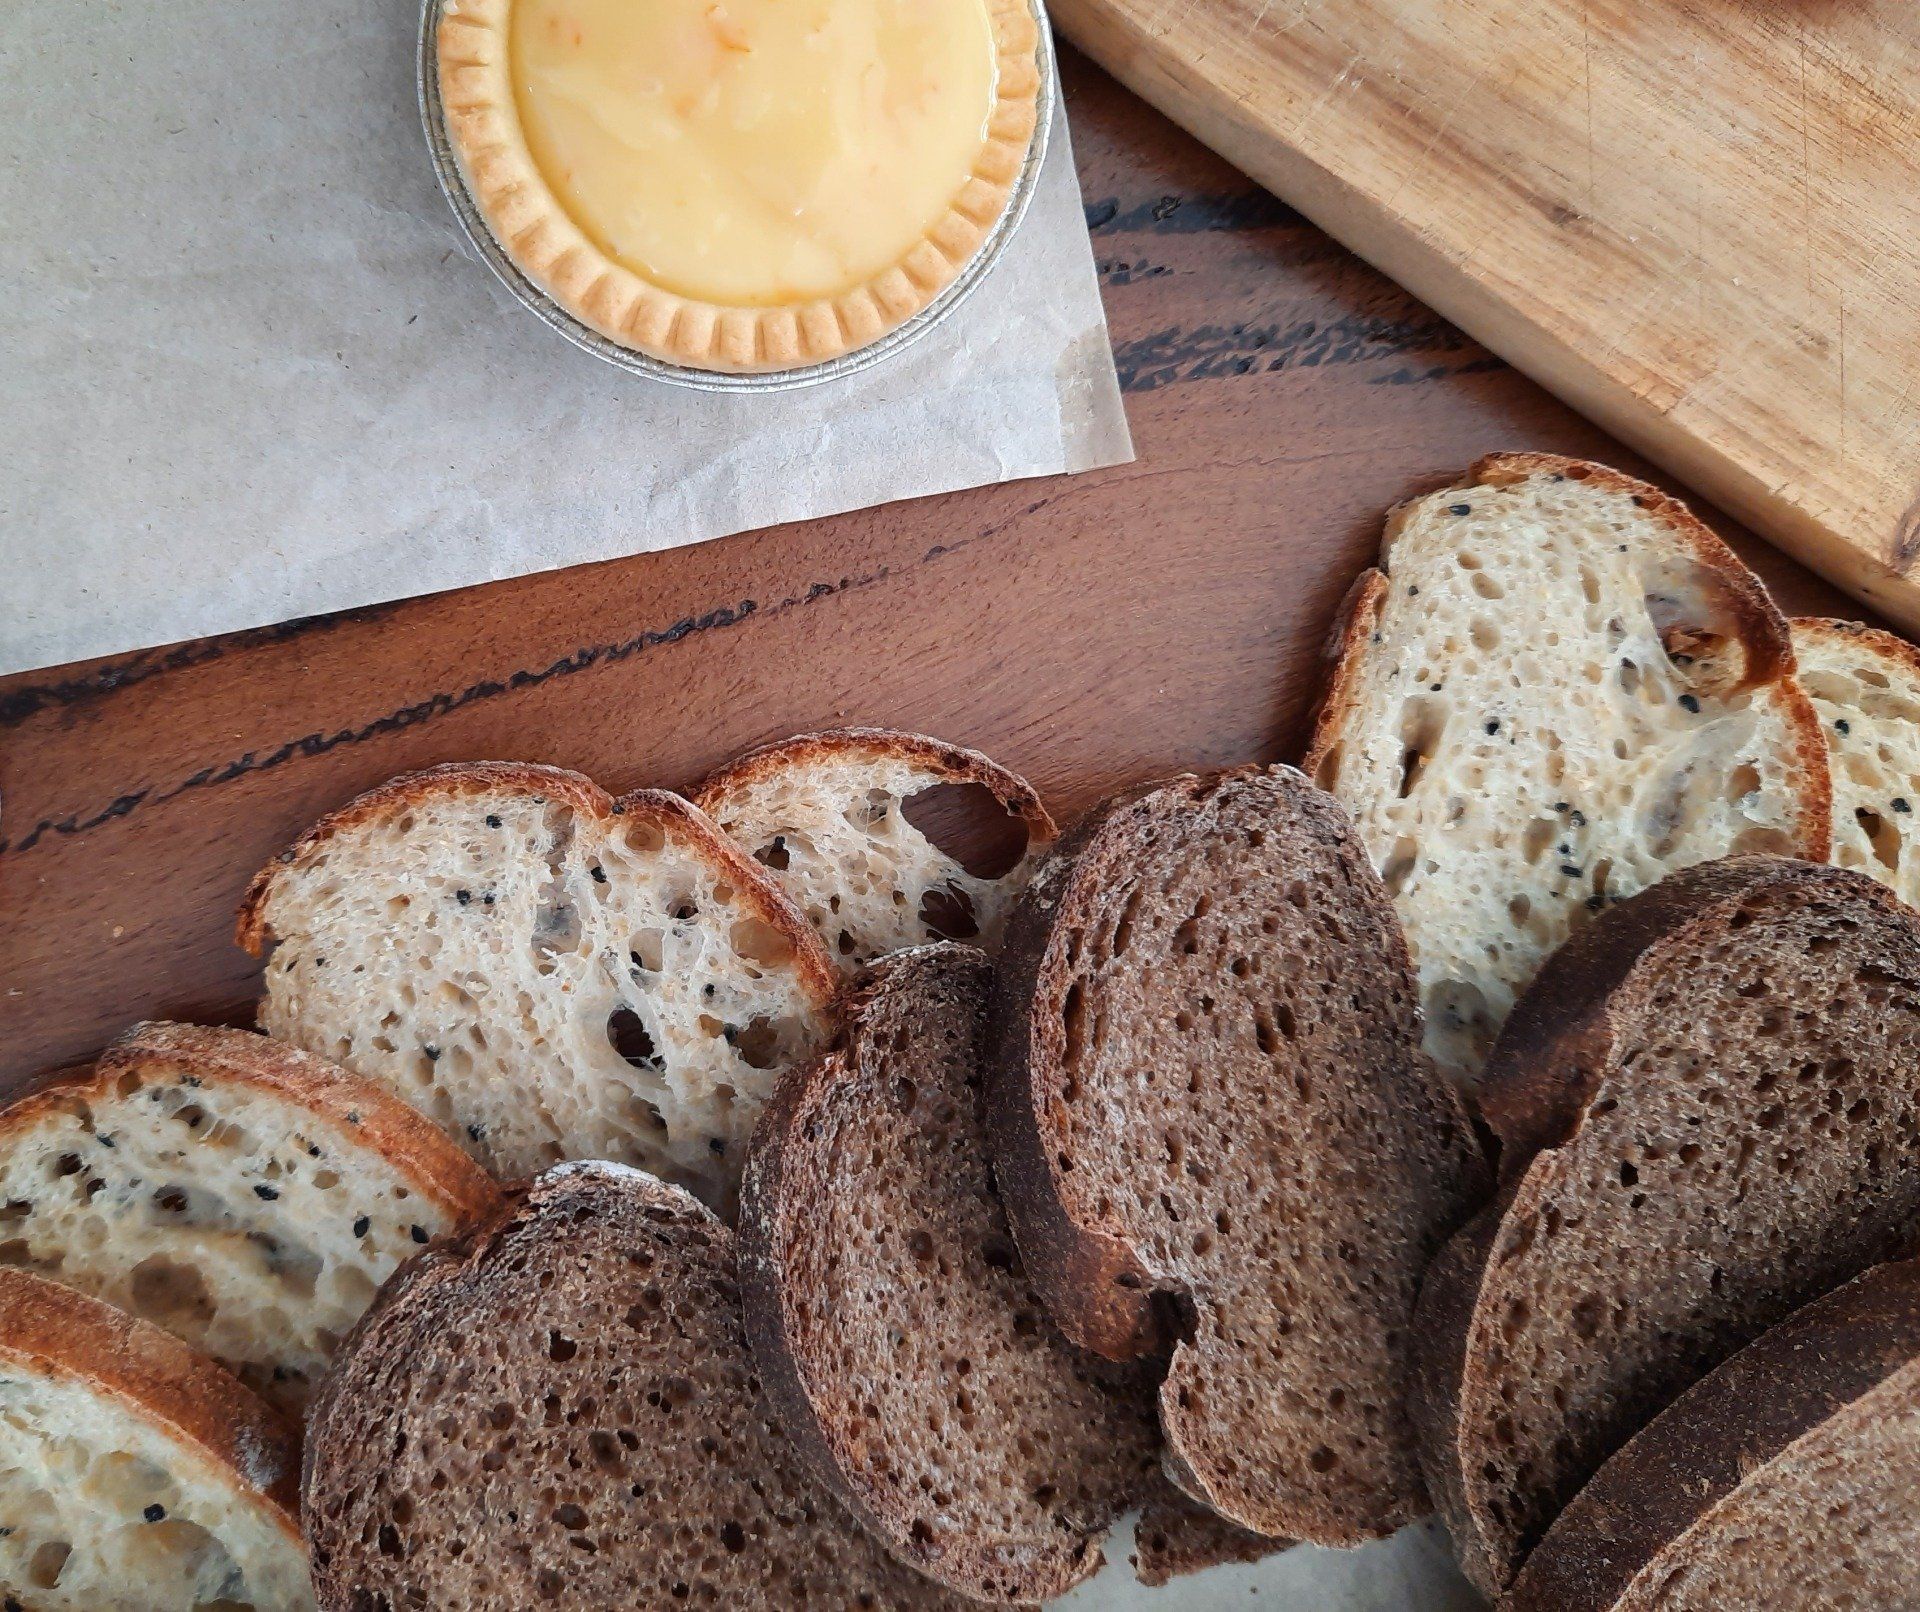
<point x="438" y="705"/>
<point x="29" y="700"/>
<point x="407" y="716"/>
<point x="1485" y="364"/>
<point x="1119" y="271"/>
<point x="1191" y="215"/>
<point x="1207" y="352"/>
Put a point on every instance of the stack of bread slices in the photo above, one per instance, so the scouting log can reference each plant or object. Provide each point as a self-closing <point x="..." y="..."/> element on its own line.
<point x="836" y="1187"/>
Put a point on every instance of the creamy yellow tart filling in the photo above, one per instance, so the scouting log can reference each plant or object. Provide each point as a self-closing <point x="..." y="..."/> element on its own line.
<point x="740" y="184"/>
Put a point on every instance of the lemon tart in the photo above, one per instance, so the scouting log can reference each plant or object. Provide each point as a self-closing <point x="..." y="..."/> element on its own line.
<point x="740" y="184"/>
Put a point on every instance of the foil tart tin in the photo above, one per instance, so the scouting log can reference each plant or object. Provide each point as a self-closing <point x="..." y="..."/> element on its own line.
<point x="446" y="169"/>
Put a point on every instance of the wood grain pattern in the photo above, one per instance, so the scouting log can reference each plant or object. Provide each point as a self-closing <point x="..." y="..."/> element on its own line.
<point x="1090" y="632"/>
<point x="1697" y="220"/>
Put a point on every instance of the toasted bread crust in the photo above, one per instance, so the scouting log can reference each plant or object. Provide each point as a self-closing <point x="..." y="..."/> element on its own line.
<point x="363" y="1113"/>
<point x="52" y="1331"/>
<point x="1354" y="629"/>
<point x="1878" y="641"/>
<point x="954" y="763"/>
<point x="457" y="779"/>
<point x="1762" y="629"/>
<point x="1732" y="1423"/>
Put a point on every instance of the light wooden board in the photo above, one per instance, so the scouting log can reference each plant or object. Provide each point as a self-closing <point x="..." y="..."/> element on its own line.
<point x="1696" y="220"/>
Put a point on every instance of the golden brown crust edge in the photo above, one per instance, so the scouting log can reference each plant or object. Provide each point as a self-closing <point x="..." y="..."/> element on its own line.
<point x="532" y="227"/>
<point x="1763" y="630"/>
<point x="954" y="763"/>
<point x="53" y="1331"/>
<point x="360" y="1111"/>
<point x="772" y="1196"/>
<point x="450" y="779"/>
<point x="1354" y="628"/>
<point x="463" y="778"/>
<point x="1886" y="645"/>
<point x="1733" y="1422"/>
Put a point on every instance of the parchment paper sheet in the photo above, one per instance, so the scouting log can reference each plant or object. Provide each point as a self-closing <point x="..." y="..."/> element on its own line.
<point x="248" y="372"/>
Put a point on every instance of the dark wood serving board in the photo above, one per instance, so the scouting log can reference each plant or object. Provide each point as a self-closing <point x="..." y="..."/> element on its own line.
<point x="1090" y="631"/>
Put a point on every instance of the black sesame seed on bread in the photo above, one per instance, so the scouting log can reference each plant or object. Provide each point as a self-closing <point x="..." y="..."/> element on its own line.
<point x="1557" y="687"/>
<point x="246" y="1196"/>
<point x="1215" y="1132"/>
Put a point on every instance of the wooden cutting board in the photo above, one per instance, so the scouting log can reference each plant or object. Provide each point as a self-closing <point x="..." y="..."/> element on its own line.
<point x="1696" y="220"/>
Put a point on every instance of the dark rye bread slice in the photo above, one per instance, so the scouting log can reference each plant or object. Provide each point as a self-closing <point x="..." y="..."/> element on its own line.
<point x="558" y="1408"/>
<point x="1214" y="1129"/>
<point x="1786" y="1478"/>
<point x="1176" y="1535"/>
<point x="900" y="1342"/>
<point x="1709" y="1109"/>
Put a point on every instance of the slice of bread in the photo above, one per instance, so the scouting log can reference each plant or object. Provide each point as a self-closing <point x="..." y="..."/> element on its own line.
<point x="1558" y="687"/>
<point x="832" y="815"/>
<point x="135" y="1474"/>
<point x="1709" y="1112"/>
<point x="544" y="971"/>
<point x="901" y="1345"/>
<point x="1176" y="1535"/>
<point x="1865" y="685"/>
<point x="559" y="1408"/>
<point x="1213" y="1127"/>
<point x="244" y="1195"/>
<point x="1785" y="1479"/>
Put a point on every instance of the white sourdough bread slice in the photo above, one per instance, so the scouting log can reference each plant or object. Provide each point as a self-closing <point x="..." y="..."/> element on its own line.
<point x="244" y="1195"/>
<point x="558" y="1408"/>
<point x="902" y="1347"/>
<point x="546" y="972"/>
<point x="828" y="814"/>
<point x="135" y="1474"/>
<point x="1865" y="685"/>
<point x="1213" y="1127"/>
<point x="1558" y="687"/>
<point x="1787" y="1478"/>
<point x="1709" y="1112"/>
